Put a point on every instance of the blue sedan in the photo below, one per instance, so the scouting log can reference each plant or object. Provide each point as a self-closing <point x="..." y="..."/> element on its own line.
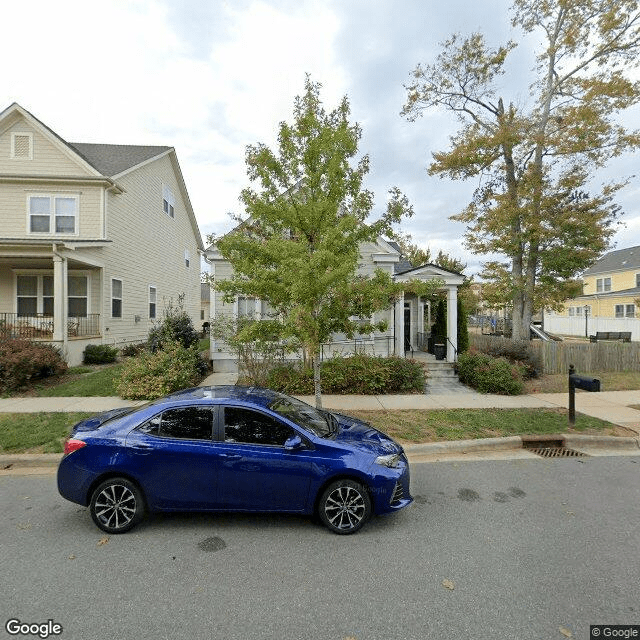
<point x="232" y="448"/>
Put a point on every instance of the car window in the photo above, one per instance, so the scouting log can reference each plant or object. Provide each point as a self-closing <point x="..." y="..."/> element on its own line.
<point x="251" y="427"/>
<point x="190" y="423"/>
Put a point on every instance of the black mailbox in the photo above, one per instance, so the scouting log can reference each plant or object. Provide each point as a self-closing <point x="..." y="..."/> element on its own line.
<point x="579" y="382"/>
<point x="584" y="382"/>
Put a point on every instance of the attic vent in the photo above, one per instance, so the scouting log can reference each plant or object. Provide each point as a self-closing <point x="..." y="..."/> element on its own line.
<point x="21" y="147"/>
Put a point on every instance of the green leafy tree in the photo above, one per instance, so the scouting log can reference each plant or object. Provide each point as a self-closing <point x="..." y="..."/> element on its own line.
<point x="534" y="161"/>
<point x="299" y="248"/>
<point x="418" y="256"/>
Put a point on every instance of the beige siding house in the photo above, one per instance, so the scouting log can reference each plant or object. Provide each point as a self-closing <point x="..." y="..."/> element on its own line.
<point x="405" y="320"/>
<point x="95" y="239"/>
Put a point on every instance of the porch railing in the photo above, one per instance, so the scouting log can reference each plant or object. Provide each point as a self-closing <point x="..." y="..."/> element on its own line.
<point x="40" y="326"/>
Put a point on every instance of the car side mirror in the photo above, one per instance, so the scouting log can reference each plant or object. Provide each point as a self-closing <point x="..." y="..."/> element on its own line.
<point x="294" y="443"/>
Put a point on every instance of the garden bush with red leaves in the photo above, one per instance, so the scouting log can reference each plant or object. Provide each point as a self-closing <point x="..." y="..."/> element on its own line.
<point x="22" y="361"/>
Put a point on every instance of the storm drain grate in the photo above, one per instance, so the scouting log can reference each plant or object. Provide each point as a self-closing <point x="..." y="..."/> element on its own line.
<point x="553" y="449"/>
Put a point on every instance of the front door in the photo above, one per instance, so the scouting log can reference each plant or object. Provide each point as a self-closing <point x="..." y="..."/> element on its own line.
<point x="407" y="326"/>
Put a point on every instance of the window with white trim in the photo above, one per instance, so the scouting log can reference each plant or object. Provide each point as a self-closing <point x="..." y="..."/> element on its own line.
<point x="246" y="307"/>
<point x="27" y="295"/>
<point x="168" y="201"/>
<point x="603" y="284"/>
<point x="34" y="295"/>
<point x="78" y="294"/>
<point x="21" y="146"/>
<point x="187" y="258"/>
<point x="637" y="279"/>
<point x="116" y="298"/>
<point x="625" y="311"/>
<point x="153" y="294"/>
<point x="53" y="214"/>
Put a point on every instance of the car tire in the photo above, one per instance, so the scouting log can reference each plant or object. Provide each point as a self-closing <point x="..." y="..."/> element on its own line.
<point x="117" y="505"/>
<point x="344" y="507"/>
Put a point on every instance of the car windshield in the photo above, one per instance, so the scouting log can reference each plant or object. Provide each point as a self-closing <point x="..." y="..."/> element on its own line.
<point x="321" y="423"/>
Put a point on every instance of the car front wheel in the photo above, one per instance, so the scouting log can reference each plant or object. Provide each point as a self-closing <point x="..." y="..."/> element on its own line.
<point x="344" y="507"/>
<point x="116" y="505"/>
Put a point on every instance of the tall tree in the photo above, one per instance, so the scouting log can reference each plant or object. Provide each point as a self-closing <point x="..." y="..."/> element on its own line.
<point x="535" y="163"/>
<point x="299" y="248"/>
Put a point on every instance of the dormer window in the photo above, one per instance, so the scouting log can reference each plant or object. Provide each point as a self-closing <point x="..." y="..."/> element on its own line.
<point x="21" y="146"/>
<point x="168" y="201"/>
<point x="53" y="214"/>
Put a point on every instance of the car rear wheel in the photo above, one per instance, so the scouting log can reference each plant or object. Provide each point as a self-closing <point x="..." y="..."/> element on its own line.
<point x="116" y="505"/>
<point x="344" y="507"/>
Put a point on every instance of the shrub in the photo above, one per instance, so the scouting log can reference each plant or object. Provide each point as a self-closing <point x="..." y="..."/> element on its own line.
<point x="490" y="375"/>
<point x="359" y="374"/>
<point x="518" y="352"/>
<point x="133" y="349"/>
<point x="99" y="354"/>
<point x="153" y="375"/>
<point x="176" y="326"/>
<point x="22" y="361"/>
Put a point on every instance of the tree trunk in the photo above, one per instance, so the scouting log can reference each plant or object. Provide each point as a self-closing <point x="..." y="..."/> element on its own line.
<point x="316" y="379"/>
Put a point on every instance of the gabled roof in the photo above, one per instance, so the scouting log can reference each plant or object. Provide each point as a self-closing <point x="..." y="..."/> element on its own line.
<point x="619" y="260"/>
<point x="113" y="159"/>
<point x="403" y="264"/>
<point x="429" y="272"/>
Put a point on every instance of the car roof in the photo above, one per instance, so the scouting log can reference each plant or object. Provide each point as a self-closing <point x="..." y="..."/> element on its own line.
<point x="254" y="395"/>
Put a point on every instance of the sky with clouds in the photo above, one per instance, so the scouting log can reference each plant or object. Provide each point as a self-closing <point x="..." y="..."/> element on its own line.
<point x="210" y="77"/>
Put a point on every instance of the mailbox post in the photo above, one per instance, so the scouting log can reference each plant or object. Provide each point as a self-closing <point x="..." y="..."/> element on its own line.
<point x="579" y="382"/>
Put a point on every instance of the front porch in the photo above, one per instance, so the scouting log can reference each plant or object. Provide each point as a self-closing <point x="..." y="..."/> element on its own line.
<point x="51" y="293"/>
<point x="42" y="327"/>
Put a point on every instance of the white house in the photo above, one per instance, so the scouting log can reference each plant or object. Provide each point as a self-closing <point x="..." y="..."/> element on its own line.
<point x="405" y="320"/>
<point x="95" y="239"/>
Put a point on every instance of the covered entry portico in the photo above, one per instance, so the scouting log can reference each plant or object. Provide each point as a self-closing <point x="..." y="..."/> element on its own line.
<point x="410" y="310"/>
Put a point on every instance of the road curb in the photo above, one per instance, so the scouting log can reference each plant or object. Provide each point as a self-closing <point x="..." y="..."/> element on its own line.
<point x="30" y="460"/>
<point x="461" y="446"/>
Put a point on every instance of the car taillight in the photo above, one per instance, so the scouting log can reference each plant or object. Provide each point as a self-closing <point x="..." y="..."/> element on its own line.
<point x="72" y="445"/>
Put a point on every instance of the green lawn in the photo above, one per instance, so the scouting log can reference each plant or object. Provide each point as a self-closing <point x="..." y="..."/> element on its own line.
<point x="36" y="432"/>
<point x="45" y="432"/>
<point x="84" y="381"/>
<point x="467" y="424"/>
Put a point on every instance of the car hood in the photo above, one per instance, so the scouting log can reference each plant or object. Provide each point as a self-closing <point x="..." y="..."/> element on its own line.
<point x="362" y="435"/>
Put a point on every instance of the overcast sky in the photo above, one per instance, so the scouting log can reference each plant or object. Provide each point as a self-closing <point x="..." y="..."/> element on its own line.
<point x="209" y="77"/>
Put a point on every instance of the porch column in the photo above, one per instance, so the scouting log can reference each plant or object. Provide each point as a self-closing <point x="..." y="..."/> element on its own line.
<point x="420" y="315"/>
<point x="399" y="326"/>
<point x="59" y="299"/>
<point x="452" y="322"/>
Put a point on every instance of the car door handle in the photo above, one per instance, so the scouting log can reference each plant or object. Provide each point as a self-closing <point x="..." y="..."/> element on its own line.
<point x="230" y="456"/>
<point x="141" y="447"/>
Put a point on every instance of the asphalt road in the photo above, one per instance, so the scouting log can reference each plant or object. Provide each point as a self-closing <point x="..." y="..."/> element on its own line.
<point x="523" y="549"/>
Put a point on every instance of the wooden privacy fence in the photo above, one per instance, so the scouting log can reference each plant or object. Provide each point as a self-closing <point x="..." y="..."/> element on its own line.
<point x="555" y="357"/>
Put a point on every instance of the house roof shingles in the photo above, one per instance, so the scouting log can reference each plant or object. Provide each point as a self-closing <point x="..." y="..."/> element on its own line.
<point x="112" y="159"/>
<point x="620" y="260"/>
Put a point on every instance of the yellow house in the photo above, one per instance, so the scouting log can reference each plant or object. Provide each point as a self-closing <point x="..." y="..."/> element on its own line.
<point x="611" y="287"/>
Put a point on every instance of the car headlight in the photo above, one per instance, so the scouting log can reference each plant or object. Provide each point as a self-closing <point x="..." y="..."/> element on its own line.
<point x="390" y="460"/>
